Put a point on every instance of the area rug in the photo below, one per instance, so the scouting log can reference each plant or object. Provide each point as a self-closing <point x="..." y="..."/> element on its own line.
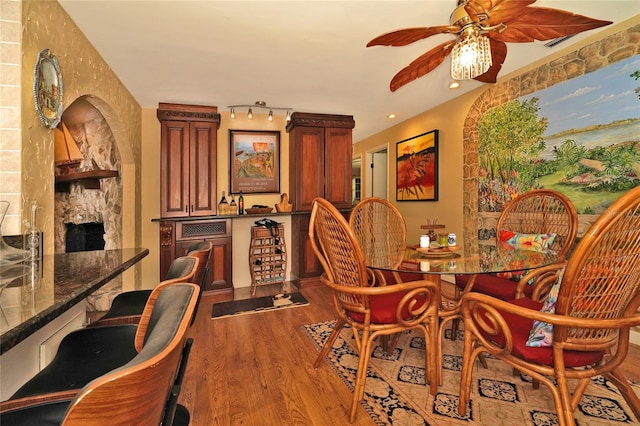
<point x="395" y="391"/>
<point x="257" y="304"/>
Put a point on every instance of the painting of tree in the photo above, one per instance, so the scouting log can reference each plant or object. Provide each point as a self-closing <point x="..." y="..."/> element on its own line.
<point x="580" y="137"/>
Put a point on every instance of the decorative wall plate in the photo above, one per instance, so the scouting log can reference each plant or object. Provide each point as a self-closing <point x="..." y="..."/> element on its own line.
<point x="47" y="89"/>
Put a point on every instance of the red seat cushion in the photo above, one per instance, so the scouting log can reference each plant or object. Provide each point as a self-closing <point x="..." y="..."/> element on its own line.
<point x="520" y="328"/>
<point x="501" y="288"/>
<point x="383" y="308"/>
<point x="405" y="277"/>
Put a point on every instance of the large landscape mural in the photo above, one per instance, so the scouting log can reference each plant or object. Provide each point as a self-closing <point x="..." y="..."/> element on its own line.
<point x="581" y="137"/>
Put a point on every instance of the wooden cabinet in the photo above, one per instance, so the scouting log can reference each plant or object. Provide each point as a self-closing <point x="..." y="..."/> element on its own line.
<point x="188" y="169"/>
<point x="188" y="160"/>
<point x="177" y="236"/>
<point x="320" y="151"/>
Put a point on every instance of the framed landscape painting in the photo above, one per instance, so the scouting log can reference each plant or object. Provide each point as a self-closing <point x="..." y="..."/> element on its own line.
<point x="255" y="161"/>
<point x="417" y="168"/>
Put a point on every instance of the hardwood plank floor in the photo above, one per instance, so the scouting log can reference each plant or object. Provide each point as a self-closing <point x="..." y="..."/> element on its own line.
<point x="258" y="369"/>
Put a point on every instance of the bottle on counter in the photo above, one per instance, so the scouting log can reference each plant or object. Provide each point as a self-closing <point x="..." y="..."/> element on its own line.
<point x="241" y="204"/>
<point x="233" y="207"/>
<point x="223" y="206"/>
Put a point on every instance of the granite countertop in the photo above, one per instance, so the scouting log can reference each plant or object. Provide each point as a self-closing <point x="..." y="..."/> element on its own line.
<point x="51" y="286"/>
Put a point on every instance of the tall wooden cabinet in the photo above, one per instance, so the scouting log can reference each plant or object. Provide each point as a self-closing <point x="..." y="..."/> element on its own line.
<point x="188" y="160"/>
<point x="188" y="170"/>
<point x="320" y="151"/>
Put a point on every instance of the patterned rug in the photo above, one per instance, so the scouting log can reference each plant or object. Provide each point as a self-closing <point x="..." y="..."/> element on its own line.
<point x="395" y="391"/>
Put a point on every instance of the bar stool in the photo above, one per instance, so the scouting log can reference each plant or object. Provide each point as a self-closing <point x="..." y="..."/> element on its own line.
<point x="127" y="307"/>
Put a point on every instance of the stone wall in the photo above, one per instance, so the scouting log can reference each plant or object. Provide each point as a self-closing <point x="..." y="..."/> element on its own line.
<point x="592" y="57"/>
<point x="104" y="205"/>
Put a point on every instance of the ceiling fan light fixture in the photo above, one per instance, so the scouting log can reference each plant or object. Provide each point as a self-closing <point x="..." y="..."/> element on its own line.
<point x="471" y="55"/>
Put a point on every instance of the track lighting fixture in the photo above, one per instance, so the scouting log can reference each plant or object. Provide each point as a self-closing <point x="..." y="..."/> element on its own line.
<point x="260" y="105"/>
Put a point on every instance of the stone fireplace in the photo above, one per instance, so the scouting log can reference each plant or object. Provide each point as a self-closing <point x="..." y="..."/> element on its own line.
<point x="83" y="209"/>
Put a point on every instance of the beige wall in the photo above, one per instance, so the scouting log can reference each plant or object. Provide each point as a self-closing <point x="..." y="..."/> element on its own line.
<point x="448" y="118"/>
<point x="84" y="72"/>
<point x="10" y="101"/>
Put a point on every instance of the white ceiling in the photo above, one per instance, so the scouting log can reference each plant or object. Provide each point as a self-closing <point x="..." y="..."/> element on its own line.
<point x="307" y="55"/>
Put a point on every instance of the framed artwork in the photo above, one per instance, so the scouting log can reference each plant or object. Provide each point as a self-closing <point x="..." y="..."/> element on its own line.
<point x="417" y="168"/>
<point x="47" y="89"/>
<point x="255" y="161"/>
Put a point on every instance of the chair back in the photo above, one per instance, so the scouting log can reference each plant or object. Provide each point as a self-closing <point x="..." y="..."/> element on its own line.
<point x="337" y="249"/>
<point x="602" y="277"/>
<point x="136" y="393"/>
<point x="542" y="211"/>
<point x="380" y="230"/>
<point x="182" y="270"/>
<point x="201" y="250"/>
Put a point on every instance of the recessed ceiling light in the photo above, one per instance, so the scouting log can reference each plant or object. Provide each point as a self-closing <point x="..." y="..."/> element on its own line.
<point x="391" y="116"/>
<point x="454" y="84"/>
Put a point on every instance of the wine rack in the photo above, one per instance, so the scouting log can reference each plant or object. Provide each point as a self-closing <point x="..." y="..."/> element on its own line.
<point x="267" y="256"/>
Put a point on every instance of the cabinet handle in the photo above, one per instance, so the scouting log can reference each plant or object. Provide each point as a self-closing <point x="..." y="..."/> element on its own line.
<point x="186" y="208"/>
<point x="191" y="208"/>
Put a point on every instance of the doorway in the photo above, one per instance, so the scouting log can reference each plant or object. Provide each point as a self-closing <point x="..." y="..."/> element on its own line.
<point x="377" y="173"/>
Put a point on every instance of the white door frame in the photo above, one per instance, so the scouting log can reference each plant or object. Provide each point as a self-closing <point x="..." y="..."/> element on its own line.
<point x="368" y="178"/>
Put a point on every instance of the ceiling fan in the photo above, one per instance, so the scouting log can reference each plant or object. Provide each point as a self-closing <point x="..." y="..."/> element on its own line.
<point x="483" y="27"/>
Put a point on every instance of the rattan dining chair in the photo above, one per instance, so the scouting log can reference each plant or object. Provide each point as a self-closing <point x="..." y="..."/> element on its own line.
<point x="370" y="311"/>
<point x="382" y="234"/>
<point x="597" y="303"/>
<point x="539" y="211"/>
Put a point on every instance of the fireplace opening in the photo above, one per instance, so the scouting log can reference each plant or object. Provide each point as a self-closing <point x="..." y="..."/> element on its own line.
<point x="84" y="237"/>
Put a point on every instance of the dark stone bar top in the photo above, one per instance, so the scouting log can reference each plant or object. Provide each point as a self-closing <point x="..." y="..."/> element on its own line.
<point x="49" y="287"/>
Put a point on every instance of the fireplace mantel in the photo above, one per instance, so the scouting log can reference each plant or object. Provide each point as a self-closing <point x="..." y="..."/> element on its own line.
<point x="89" y="179"/>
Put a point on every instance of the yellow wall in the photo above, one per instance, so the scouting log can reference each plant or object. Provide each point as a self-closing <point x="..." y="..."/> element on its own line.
<point x="448" y="118"/>
<point x="46" y="25"/>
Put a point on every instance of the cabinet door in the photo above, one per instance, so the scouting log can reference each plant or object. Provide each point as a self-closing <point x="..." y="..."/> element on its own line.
<point x="203" y="163"/>
<point x="309" y="167"/>
<point x="174" y="169"/>
<point x="219" y="275"/>
<point x="305" y="263"/>
<point x="337" y="161"/>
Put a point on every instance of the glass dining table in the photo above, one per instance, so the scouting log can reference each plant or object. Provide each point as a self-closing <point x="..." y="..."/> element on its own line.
<point x="431" y="264"/>
<point x="414" y="263"/>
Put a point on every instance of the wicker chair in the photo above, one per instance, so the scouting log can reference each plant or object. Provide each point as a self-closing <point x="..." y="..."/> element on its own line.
<point x="381" y="232"/>
<point x="369" y="311"/>
<point x="539" y="211"/>
<point x="596" y="306"/>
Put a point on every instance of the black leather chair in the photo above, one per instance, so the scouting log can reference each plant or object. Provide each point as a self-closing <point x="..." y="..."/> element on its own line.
<point x="127" y="307"/>
<point x="91" y="352"/>
<point x="135" y="393"/>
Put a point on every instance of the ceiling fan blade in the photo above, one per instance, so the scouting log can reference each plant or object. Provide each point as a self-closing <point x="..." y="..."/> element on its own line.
<point x="541" y="23"/>
<point x="422" y="65"/>
<point x="409" y="35"/>
<point x="498" y="55"/>
<point x="498" y="11"/>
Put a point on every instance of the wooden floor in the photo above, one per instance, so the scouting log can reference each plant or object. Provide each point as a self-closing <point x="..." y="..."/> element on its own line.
<point x="257" y="369"/>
